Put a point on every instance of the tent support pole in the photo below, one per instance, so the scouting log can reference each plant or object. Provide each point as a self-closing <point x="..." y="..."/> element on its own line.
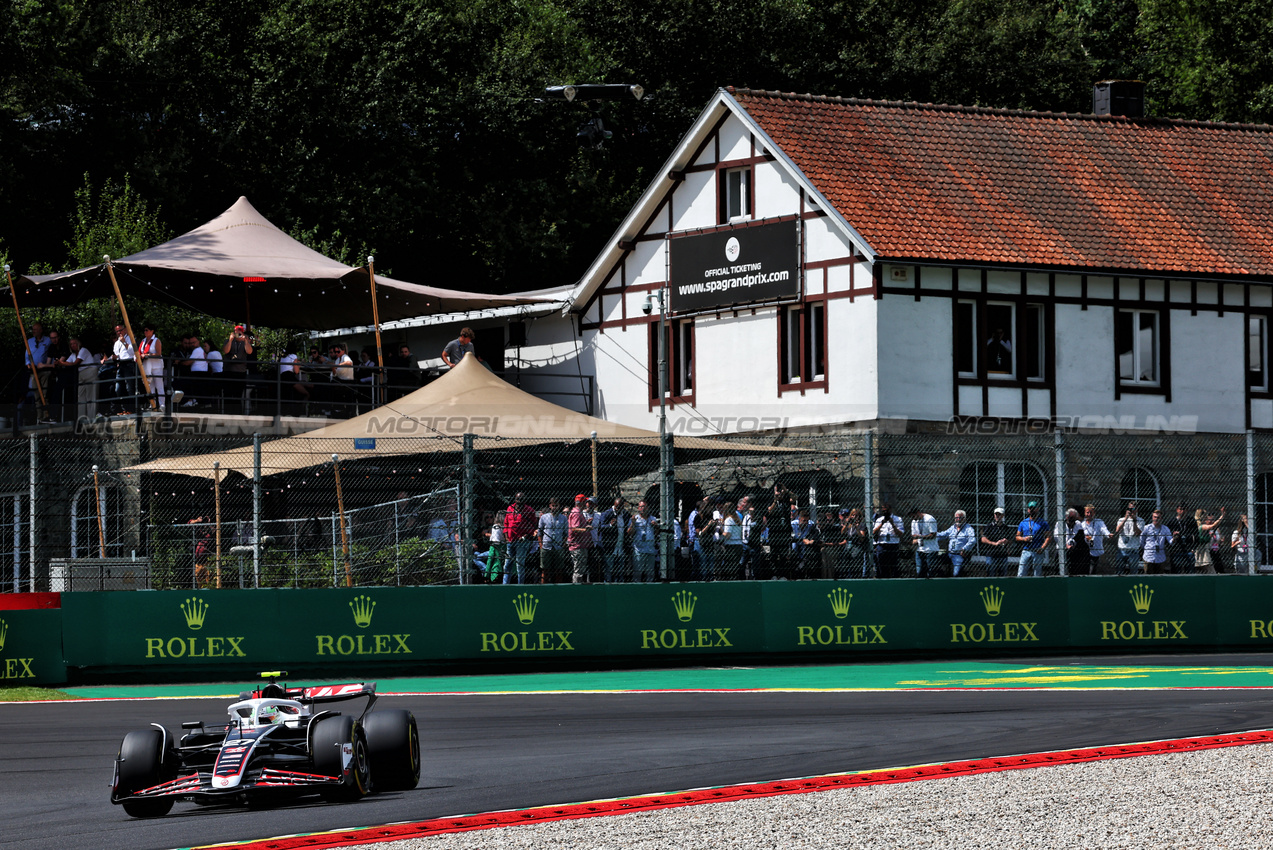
<point x="378" y="388"/>
<point x="101" y="528"/>
<point x="35" y="376"/>
<point x="344" y="534"/>
<point x="128" y="327"/>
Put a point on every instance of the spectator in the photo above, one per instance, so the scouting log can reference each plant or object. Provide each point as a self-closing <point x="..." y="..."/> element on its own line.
<point x="886" y="528"/>
<point x="1245" y="556"/>
<point x="1184" y="540"/>
<point x="1034" y="539"/>
<point x="519" y="536"/>
<point x="924" y="539"/>
<point x="579" y="539"/>
<point x="193" y="380"/>
<point x="999" y="353"/>
<point x="733" y="543"/>
<point x="455" y="350"/>
<point x="236" y="352"/>
<point x="1096" y="534"/>
<point x="807" y="540"/>
<point x="779" y="517"/>
<point x="645" y="544"/>
<point x="152" y="362"/>
<point x="961" y="542"/>
<point x="613" y="525"/>
<point x="289" y="374"/>
<point x="37" y="349"/>
<point x="1078" y="553"/>
<point x="551" y="535"/>
<point x="404" y="373"/>
<point x="366" y="370"/>
<point x="702" y="536"/>
<point x="1128" y="531"/>
<point x="857" y="546"/>
<point x="1208" y="544"/>
<point x="757" y="548"/>
<point x="125" y="357"/>
<point x="996" y="534"/>
<point x="85" y="369"/>
<point x="497" y="556"/>
<point x="1158" y="538"/>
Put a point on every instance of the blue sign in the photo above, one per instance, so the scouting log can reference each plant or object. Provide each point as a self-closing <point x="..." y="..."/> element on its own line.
<point x="364" y="443"/>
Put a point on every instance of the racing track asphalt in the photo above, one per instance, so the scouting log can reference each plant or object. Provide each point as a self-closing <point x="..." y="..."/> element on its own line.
<point x="485" y="752"/>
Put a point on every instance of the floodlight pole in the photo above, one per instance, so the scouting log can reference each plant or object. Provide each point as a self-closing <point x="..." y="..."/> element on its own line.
<point x="35" y="375"/>
<point x="377" y="386"/>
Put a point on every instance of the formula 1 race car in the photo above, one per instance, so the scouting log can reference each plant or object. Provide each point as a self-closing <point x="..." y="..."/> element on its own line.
<point x="276" y="744"/>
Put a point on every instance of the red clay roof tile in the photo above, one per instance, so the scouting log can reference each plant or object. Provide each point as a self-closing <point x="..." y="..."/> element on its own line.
<point x="968" y="184"/>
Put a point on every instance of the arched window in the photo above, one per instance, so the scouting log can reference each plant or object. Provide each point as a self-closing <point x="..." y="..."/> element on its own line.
<point x="85" y="538"/>
<point x="1011" y="485"/>
<point x="14" y="570"/>
<point x="1263" y="515"/>
<point x="1139" y="486"/>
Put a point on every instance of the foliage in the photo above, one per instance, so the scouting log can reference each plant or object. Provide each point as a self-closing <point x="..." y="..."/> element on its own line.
<point x="417" y="125"/>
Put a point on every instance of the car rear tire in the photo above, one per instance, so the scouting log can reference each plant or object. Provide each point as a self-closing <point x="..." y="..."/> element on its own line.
<point x="331" y="736"/>
<point x="394" y="743"/>
<point x="141" y="766"/>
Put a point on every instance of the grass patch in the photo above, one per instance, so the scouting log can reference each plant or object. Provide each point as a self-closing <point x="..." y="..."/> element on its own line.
<point x="32" y="694"/>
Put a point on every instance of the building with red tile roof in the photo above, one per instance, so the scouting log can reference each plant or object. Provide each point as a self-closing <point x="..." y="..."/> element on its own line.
<point x="838" y="263"/>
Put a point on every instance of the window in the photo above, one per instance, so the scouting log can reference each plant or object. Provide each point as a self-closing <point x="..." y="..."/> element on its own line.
<point x="680" y="360"/>
<point x="1013" y="340"/>
<point x="13" y="543"/>
<point x="802" y="342"/>
<point x="985" y="485"/>
<point x="85" y="538"/>
<point x="1137" y="341"/>
<point x="735" y="194"/>
<point x="1139" y="486"/>
<point x="1257" y="340"/>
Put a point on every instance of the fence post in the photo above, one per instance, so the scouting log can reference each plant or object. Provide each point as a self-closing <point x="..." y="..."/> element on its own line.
<point x="466" y="510"/>
<point x="667" y="508"/>
<point x="1058" y="437"/>
<point x="256" y="509"/>
<point x="1251" y="537"/>
<point x="335" y="554"/>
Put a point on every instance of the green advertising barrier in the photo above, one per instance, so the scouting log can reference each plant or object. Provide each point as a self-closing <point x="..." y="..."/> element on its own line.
<point x="31" y="648"/>
<point x="999" y="615"/>
<point x="1124" y="613"/>
<point x="193" y="633"/>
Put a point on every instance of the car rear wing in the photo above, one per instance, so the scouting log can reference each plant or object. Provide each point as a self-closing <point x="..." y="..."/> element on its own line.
<point x="313" y="694"/>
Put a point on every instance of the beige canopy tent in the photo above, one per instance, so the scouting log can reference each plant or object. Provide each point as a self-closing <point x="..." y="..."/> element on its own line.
<point x="469" y="399"/>
<point x="241" y="267"/>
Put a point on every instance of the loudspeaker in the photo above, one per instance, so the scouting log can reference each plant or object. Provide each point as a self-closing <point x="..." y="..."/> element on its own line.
<point x="516" y="334"/>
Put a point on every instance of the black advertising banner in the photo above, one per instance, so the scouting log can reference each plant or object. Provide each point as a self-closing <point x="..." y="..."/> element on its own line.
<point x="741" y="265"/>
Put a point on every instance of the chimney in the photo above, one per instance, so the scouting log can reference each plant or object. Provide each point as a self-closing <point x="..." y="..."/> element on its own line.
<point x="1119" y="97"/>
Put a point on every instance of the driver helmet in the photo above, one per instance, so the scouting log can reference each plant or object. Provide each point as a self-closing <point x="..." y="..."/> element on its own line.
<point x="268" y="714"/>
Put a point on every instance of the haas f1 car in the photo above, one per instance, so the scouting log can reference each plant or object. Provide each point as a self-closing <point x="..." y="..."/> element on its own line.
<point x="279" y="742"/>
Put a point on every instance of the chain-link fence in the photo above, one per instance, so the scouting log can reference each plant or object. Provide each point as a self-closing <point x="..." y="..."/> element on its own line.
<point x="95" y="512"/>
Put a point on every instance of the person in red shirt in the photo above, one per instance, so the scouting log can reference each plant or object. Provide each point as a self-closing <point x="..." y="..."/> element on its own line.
<point x="579" y="538"/>
<point x="519" y="536"/>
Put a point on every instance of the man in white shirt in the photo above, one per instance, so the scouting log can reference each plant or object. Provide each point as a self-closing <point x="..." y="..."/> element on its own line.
<point x="924" y="539"/>
<point x="86" y="366"/>
<point x="1096" y="533"/>
<point x="196" y="364"/>
<point x="125" y="372"/>
<point x="1157" y="536"/>
<point x="1128" y="531"/>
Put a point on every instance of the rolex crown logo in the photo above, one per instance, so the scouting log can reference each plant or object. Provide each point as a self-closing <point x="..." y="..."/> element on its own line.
<point x="840" y="599"/>
<point x="4" y="633"/>
<point x="195" y="611"/>
<point x="684" y="602"/>
<point x="1141" y="595"/>
<point x="992" y="598"/>
<point x="362" y="606"/>
<point x="526" y="604"/>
